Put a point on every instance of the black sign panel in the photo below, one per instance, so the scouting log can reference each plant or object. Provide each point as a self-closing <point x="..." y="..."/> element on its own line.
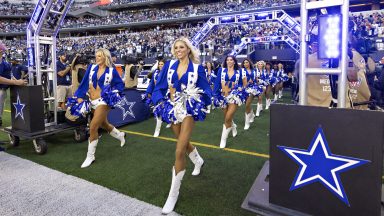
<point x="326" y="161"/>
<point x="27" y="108"/>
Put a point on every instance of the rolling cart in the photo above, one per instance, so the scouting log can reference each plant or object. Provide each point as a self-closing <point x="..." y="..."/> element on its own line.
<point x="34" y="108"/>
<point x="39" y="144"/>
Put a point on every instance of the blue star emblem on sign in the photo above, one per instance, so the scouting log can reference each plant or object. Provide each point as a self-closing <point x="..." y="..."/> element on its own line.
<point x="19" y="108"/>
<point x="126" y="107"/>
<point x="318" y="164"/>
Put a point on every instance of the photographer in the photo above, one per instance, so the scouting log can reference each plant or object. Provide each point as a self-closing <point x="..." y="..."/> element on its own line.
<point x="63" y="80"/>
<point x="78" y="67"/>
<point x="322" y="89"/>
<point x="377" y="84"/>
<point x="133" y="68"/>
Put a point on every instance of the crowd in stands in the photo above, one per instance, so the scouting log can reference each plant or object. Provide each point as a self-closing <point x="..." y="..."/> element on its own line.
<point x="157" y="41"/>
<point x="233" y="4"/>
<point x="221" y="41"/>
<point x="171" y="13"/>
<point x="157" y="14"/>
<point x="12" y="26"/>
<point x="368" y="25"/>
<point x="151" y="14"/>
<point x="224" y="38"/>
<point x="146" y="43"/>
<point x="24" y="8"/>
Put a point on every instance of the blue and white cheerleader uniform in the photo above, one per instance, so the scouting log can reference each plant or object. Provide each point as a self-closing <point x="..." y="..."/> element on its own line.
<point x="153" y="81"/>
<point x="281" y="76"/>
<point x="269" y="78"/>
<point x="252" y="88"/>
<point x="260" y="78"/>
<point x="237" y="95"/>
<point x="191" y="97"/>
<point x="210" y="77"/>
<point x="111" y="86"/>
<point x="151" y="87"/>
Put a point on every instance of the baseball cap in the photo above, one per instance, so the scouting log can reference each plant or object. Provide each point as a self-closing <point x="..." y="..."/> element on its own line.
<point x="61" y="53"/>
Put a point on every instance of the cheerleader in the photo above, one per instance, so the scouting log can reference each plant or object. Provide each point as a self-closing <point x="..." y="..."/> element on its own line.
<point x="229" y="94"/>
<point x="104" y="86"/>
<point x="183" y="88"/>
<point x="270" y="82"/>
<point x="150" y="89"/>
<point x="210" y="73"/>
<point x="281" y="77"/>
<point x="252" y="89"/>
<point x="260" y="71"/>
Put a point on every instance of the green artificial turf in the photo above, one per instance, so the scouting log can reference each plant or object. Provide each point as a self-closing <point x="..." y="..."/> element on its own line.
<point x="142" y="168"/>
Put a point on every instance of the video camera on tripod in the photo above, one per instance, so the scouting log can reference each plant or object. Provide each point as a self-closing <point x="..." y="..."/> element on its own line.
<point x="134" y="65"/>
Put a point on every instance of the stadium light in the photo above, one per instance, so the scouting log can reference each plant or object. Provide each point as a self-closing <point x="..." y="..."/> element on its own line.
<point x="244" y="17"/>
<point x="227" y="19"/>
<point x="329" y="36"/>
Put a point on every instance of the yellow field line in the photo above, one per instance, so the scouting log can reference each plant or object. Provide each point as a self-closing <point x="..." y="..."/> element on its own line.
<point x="195" y="143"/>
<point x="199" y="144"/>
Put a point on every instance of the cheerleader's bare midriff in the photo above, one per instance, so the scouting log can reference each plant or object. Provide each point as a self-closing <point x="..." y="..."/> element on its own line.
<point x="94" y="93"/>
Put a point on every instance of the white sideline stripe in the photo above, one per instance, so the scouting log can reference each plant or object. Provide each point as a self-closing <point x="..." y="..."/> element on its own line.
<point x="28" y="188"/>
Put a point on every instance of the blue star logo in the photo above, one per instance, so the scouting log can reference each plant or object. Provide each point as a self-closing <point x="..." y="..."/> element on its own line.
<point x="318" y="164"/>
<point x="19" y="108"/>
<point x="126" y="107"/>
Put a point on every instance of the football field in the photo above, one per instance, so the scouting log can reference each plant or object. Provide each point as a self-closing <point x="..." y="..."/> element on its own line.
<point x="142" y="168"/>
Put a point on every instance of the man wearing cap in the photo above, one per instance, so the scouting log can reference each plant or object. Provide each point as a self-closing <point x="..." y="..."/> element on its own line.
<point x="5" y="79"/>
<point x="18" y="70"/>
<point x="63" y="80"/>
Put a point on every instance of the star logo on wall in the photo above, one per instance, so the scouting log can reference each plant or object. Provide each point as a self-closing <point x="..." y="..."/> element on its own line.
<point x="19" y="108"/>
<point x="318" y="164"/>
<point x="126" y="108"/>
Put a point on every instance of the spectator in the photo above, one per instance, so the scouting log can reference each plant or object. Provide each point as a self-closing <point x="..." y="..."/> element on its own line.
<point x="63" y="80"/>
<point x="5" y="79"/>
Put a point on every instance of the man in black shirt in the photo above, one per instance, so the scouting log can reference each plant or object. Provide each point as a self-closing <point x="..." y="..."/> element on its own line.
<point x="63" y="80"/>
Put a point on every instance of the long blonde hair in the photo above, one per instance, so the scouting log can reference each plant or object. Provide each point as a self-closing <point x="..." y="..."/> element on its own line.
<point x="107" y="55"/>
<point x="194" y="55"/>
<point x="262" y="63"/>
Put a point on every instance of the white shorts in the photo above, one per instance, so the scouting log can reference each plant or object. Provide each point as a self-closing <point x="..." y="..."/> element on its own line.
<point x="97" y="102"/>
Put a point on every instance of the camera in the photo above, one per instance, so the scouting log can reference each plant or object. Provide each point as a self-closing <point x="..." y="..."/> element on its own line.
<point x="132" y="60"/>
<point x="129" y="60"/>
<point x="137" y="64"/>
<point x="365" y="45"/>
<point x="84" y="58"/>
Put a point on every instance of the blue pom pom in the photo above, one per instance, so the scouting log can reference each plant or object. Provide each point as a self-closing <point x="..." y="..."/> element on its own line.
<point x="219" y="101"/>
<point x="111" y="96"/>
<point x="273" y="81"/>
<point x="254" y="89"/>
<point x="78" y="109"/>
<point x="71" y="101"/>
<point x="168" y="114"/>
<point x="197" y="109"/>
<point x="146" y="99"/>
<point x="237" y="96"/>
<point x="158" y="110"/>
